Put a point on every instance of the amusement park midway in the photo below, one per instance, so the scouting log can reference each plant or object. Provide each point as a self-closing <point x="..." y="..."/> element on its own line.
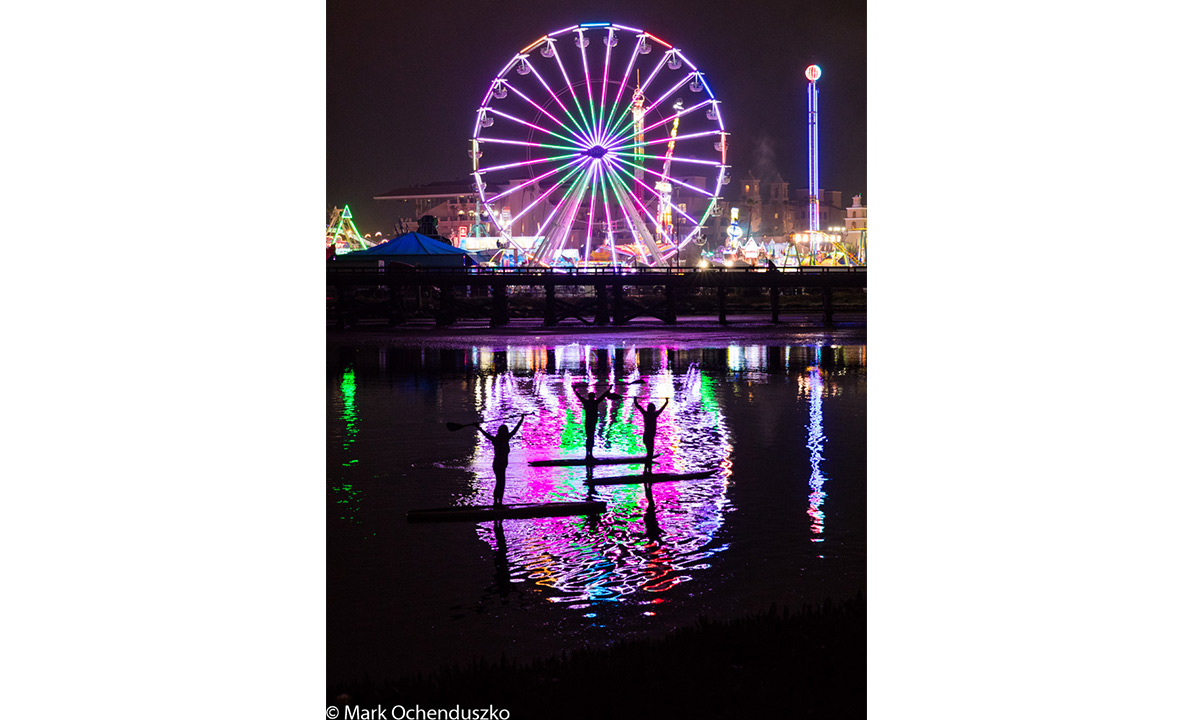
<point x="648" y="122"/>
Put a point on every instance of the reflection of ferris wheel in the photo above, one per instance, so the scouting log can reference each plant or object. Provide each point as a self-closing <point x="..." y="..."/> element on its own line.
<point x="590" y="140"/>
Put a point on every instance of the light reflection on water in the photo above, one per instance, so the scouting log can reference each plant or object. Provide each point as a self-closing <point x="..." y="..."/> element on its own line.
<point x="782" y="521"/>
<point x="647" y="541"/>
<point x="345" y="494"/>
<point x="651" y="539"/>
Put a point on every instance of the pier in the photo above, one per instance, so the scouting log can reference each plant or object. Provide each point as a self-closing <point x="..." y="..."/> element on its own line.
<point x="606" y="305"/>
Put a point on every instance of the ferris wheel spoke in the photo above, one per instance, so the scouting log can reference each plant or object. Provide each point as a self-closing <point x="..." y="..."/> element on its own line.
<point x="582" y="177"/>
<point x="621" y="89"/>
<point x="677" y="138"/>
<point x="629" y="105"/>
<point x="571" y="88"/>
<point x="581" y="40"/>
<point x="629" y="222"/>
<point x="655" y="104"/>
<point x="552" y="188"/>
<point x="571" y="199"/>
<point x="633" y="197"/>
<point x="656" y="192"/>
<point x="514" y="118"/>
<point x="576" y="121"/>
<point x="525" y="184"/>
<point x="537" y="161"/>
<point x="591" y="202"/>
<point x="668" y="178"/>
<point x="526" y="143"/>
<point x="673" y="158"/>
<point x="578" y="137"/>
<point x="664" y="121"/>
<point x="608" y="46"/>
<point x="612" y="244"/>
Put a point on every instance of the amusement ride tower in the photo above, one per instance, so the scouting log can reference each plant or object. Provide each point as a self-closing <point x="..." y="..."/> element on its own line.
<point x="812" y="72"/>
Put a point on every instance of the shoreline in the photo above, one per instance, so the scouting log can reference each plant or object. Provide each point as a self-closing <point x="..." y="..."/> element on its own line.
<point x="812" y="660"/>
<point x="849" y="328"/>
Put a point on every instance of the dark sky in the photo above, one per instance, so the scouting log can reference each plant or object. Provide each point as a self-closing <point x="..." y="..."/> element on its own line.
<point x="405" y="78"/>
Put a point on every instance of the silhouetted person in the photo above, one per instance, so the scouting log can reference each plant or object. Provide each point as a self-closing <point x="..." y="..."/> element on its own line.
<point x="500" y="448"/>
<point x="653" y="529"/>
<point x="650" y="423"/>
<point x="500" y="561"/>
<point x="591" y="413"/>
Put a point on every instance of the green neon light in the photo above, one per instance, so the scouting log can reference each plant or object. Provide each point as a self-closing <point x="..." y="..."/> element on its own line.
<point x="349" y="412"/>
<point x="708" y="396"/>
<point x="573" y="148"/>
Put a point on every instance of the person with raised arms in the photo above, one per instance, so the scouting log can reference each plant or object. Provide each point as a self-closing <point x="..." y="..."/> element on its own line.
<point x="650" y="423"/>
<point x="591" y="413"/>
<point x="500" y="450"/>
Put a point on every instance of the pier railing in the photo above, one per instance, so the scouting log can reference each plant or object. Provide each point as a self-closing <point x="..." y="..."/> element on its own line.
<point x="608" y="303"/>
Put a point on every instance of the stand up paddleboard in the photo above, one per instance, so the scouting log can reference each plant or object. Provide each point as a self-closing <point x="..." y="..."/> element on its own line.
<point x="477" y="513"/>
<point x="565" y="462"/>
<point x="642" y="478"/>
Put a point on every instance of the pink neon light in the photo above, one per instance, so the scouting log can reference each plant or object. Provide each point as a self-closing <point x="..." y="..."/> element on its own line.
<point x="714" y="163"/>
<point x="539" y="108"/>
<point x="660" y="141"/>
<point x="552" y="188"/>
<point x="669" y="118"/>
<point x="554" y="95"/>
<point x="621" y="90"/>
<point x="677" y="181"/>
<point x="524" y="184"/>
<point x="520" y="164"/>
<point x="653" y="217"/>
<point x="629" y="221"/>
<point x="526" y="122"/>
<point x="673" y="205"/>
<point x="587" y="83"/>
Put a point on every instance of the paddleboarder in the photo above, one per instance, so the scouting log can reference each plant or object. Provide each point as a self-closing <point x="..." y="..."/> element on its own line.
<point x="591" y="413"/>
<point x="500" y="449"/>
<point x="650" y="423"/>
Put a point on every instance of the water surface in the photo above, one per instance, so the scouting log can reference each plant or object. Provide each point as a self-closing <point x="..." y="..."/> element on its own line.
<point x="782" y="520"/>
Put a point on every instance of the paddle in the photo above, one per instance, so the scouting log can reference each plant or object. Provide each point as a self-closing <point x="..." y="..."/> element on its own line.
<point x="454" y="427"/>
<point x="639" y="381"/>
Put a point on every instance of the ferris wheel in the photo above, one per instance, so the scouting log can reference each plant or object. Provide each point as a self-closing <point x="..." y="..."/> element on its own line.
<point x="594" y="142"/>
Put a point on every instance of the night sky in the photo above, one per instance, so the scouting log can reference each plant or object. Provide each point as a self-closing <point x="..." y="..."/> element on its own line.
<point x="404" y="81"/>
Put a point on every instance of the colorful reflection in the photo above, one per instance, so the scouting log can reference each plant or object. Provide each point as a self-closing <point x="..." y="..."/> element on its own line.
<point x="815" y="444"/>
<point x="345" y="496"/>
<point x="349" y="412"/>
<point x="651" y="539"/>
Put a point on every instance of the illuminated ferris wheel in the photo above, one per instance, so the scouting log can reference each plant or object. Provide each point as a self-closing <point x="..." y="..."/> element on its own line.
<point x="599" y="142"/>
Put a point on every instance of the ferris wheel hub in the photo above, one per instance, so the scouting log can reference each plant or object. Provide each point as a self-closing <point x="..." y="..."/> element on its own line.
<point x="596" y="151"/>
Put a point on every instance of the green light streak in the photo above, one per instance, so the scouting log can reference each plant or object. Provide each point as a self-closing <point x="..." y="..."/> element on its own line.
<point x="708" y="396"/>
<point x="527" y="164"/>
<point x="573" y="148"/>
<point x="349" y="412"/>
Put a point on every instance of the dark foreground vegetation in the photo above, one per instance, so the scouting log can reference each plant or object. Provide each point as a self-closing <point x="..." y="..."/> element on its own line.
<point x="811" y="663"/>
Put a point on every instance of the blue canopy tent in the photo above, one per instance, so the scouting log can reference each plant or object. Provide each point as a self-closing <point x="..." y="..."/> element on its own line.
<point x="414" y="249"/>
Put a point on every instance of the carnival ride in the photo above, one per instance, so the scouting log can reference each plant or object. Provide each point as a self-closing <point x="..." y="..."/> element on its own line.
<point x="342" y="235"/>
<point x="569" y="147"/>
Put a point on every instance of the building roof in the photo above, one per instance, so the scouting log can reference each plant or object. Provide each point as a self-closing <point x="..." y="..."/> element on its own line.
<point x="450" y="188"/>
<point x="411" y="244"/>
